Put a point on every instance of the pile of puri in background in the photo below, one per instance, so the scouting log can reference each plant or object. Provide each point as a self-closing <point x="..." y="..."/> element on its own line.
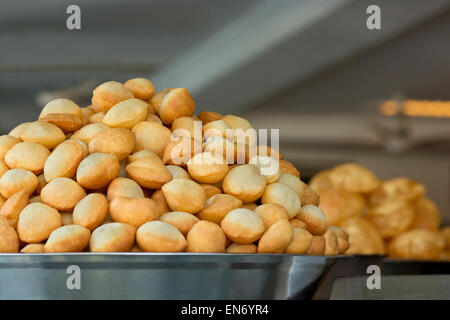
<point x="103" y="178"/>
<point x="392" y="217"/>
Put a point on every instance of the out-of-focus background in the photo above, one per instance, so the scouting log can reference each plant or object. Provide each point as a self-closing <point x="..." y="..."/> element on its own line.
<point x="338" y="91"/>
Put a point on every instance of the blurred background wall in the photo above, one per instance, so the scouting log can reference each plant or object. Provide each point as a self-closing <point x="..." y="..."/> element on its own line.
<point x="308" y="67"/>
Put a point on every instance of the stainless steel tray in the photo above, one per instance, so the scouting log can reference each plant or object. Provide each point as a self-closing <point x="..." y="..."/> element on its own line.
<point x="158" y="275"/>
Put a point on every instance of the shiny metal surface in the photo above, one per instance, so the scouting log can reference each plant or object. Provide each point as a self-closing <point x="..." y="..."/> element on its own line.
<point x="159" y="276"/>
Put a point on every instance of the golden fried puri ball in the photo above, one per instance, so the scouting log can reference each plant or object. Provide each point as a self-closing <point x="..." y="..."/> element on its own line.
<point x="12" y="207"/>
<point x="209" y="116"/>
<point x="216" y="128"/>
<point x="297" y="223"/>
<point x="294" y="183"/>
<point x="317" y="247"/>
<point x="271" y="213"/>
<point x="17" y="131"/>
<point x="175" y="104"/>
<point x="310" y="197"/>
<point x="124" y="187"/>
<point x="315" y="219"/>
<point x="134" y="211"/>
<point x="86" y="133"/>
<point x="70" y="238"/>
<point x="300" y="242"/>
<point x="43" y="133"/>
<point x="269" y="167"/>
<point x="179" y="152"/>
<point x="183" y="221"/>
<point x="184" y="195"/>
<point x="161" y="203"/>
<point x="61" y="106"/>
<point x="242" y="248"/>
<point x="27" y="155"/>
<point x="283" y="195"/>
<point x="236" y="122"/>
<point x="363" y="236"/>
<point x="140" y="87"/>
<point x="149" y="172"/>
<point x="242" y="226"/>
<point x="339" y="232"/>
<point x="113" y="237"/>
<point x="244" y="182"/>
<point x="340" y="205"/>
<point x="158" y="236"/>
<point x="97" y="170"/>
<point x="108" y="94"/>
<point x="391" y="218"/>
<point x="276" y="238"/>
<point x="33" y="248"/>
<point x="331" y="243"/>
<point x="6" y="143"/>
<point x="9" y="241"/>
<point x="66" y="122"/>
<point x="417" y="244"/>
<point x="117" y="141"/>
<point x="86" y="113"/>
<point x="223" y="147"/>
<point x="321" y="181"/>
<point x="126" y="114"/>
<point x="62" y="194"/>
<point x="206" y="167"/>
<point x="342" y="238"/>
<point x="207" y="237"/>
<point x="353" y="177"/>
<point x="210" y="190"/>
<point x="288" y="167"/>
<point x="426" y="215"/>
<point x="178" y="172"/>
<point x="14" y="180"/>
<point x="63" y="161"/>
<point x="400" y="188"/>
<point x="37" y="221"/>
<point x="185" y="127"/>
<point x="218" y="206"/>
<point x="91" y="211"/>
<point x="152" y="136"/>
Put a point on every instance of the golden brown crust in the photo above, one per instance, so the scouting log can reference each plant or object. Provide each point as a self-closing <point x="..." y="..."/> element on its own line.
<point x="12" y="207"/>
<point x="300" y="242"/>
<point x="242" y="226"/>
<point x="271" y="213"/>
<point x="175" y="104"/>
<point x="62" y="194"/>
<point x="276" y="238"/>
<point x="206" y="236"/>
<point x="140" y="87"/>
<point x="283" y="195"/>
<point x="317" y="247"/>
<point x="218" y="206"/>
<point x="9" y="241"/>
<point x="363" y="237"/>
<point x="183" y="221"/>
<point x="391" y="218"/>
<point x="37" y="221"/>
<point x="63" y="161"/>
<point x="184" y="195"/>
<point x="70" y="238"/>
<point x="244" y="182"/>
<point x="340" y="205"/>
<point x="108" y="94"/>
<point x="117" y="141"/>
<point x="417" y="244"/>
<point x="91" y="211"/>
<point x="315" y="219"/>
<point x="97" y="170"/>
<point x="209" y="116"/>
<point x="14" y="180"/>
<point x="133" y="211"/>
<point x="158" y="236"/>
<point x="113" y="237"/>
